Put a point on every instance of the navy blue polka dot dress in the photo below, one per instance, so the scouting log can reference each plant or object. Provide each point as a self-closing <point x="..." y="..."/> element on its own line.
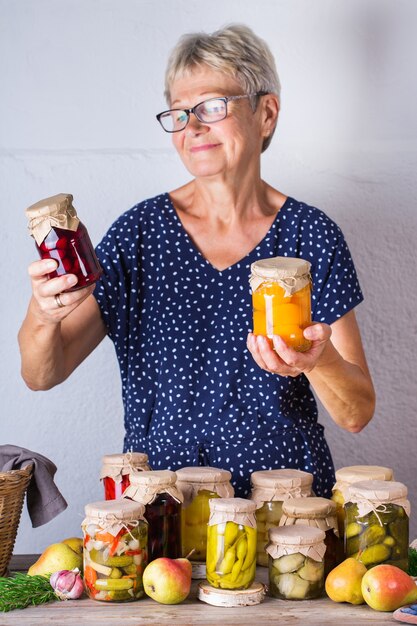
<point x="192" y="393"/>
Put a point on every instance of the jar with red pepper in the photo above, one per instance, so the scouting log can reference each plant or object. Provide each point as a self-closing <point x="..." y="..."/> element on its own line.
<point x="116" y="470"/>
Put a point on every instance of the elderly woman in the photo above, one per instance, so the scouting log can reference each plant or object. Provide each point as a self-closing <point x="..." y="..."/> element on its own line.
<point x="198" y="387"/>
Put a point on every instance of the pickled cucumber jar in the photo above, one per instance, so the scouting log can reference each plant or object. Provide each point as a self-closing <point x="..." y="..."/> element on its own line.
<point x="270" y="488"/>
<point x="296" y="562"/>
<point x="231" y="543"/>
<point x="346" y="476"/>
<point x="281" y="298"/>
<point x="116" y="470"/>
<point x="60" y="235"/>
<point x="318" y="513"/>
<point x="162" y="499"/>
<point x="115" y="550"/>
<point x="376" y="524"/>
<point x="198" y="485"/>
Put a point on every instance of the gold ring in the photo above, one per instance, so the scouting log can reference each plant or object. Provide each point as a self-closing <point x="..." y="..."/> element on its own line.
<point x="58" y="301"/>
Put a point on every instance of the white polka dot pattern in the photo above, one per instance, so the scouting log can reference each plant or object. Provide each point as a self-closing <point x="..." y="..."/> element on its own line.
<point x="192" y="393"/>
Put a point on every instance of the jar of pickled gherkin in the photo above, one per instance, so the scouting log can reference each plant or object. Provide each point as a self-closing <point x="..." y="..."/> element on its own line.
<point x="281" y="298"/>
<point x="270" y="488"/>
<point x="162" y="499"/>
<point x="346" y="476"/>
<point x="296" y="562"/>
<point x="318" y="513"/>
<point x="376" y="525"/>
<point x="231" y="543"/>
<point x="115" y="550"/>
<point x="60" y="235"/>
<point x="198" y="485"/>
<point x="116" y="470"/>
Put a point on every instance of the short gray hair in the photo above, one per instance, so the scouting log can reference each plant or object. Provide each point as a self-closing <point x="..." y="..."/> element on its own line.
<point x="234" y="50"/>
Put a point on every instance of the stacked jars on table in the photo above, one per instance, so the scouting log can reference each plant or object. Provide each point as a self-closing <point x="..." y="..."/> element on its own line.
<point x="198" y="485"/>
<point x="162" y="499"/>
<point x="270" y="488"/>
<point x="296" y="562"/>
<point x="231" y="543"/>
<point x="317" y="513"/>
<point x="346" y="476"/>
<point x="116" y="470"/>
<point x="115" y="550"/>
<point x="376" y="523"/>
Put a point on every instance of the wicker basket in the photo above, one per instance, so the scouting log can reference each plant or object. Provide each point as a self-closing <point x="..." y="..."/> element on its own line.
<point x="13" y="485"/>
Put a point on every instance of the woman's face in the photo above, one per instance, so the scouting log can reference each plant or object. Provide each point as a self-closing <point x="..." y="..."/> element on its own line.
<point x="226" y="148"/>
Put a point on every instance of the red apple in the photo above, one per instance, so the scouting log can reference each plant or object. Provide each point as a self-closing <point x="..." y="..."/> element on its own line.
<point x="167" y="581"/>
<point x="386" y="588"/>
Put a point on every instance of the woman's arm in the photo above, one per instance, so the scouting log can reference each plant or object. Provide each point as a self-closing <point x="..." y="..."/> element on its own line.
<point x="54" y="340"/>
<point x="335" y="365"/>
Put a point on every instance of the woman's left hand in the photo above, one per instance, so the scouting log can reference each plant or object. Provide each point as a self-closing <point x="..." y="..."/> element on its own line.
<point x="284" y="360"/>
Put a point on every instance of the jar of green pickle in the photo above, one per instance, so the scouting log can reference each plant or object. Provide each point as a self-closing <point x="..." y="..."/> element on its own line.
<point x="198" y="485"/>
<point x="296" y="562"/>
<point x="115" y="550"/>
<point x="270" y="488"/>
<point x="318" y="513"/>
<point x="376" y="524"/>
<point x="231" y="543"/>
<point x="346" y="476"/>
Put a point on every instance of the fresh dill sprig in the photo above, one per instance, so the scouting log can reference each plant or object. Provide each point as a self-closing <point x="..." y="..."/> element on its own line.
<point x="412" y="562"/>
<point x="22" y="590"/>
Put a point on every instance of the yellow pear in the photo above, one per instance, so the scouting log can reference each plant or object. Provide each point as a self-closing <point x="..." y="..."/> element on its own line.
<point x="343" y="584"/>
<point x="76" y="543"/>
<point x="56" y="557"/>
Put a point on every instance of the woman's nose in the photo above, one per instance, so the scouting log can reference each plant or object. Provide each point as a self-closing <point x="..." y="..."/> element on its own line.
<point x="194" y="126"/>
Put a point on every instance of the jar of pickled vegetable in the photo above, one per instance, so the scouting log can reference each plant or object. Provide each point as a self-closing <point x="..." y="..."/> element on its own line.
<point x="318" y="513"/>
<point x="115" y="550"/>
<point x="377" y="523"/>
<point x="296" y="562"/>
<point x="270" y="488"/>
<point x="346" y="476"/>
<point x="198" y="485"/>
<point x="281" y="298"/>
<point x="116" y="470"/>
<point x="60" y="235"/>
<point x="231" y="543"/>
<point x="162" y="499"/>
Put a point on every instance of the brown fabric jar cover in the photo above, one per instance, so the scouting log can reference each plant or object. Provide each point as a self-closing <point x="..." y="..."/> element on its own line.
<point x="346" y="476"/>
<point x="146" y="486"/>
<point x="279" y="485"/>
<point x="118" y="465"/>
<point x="191" y="480"/>
<point x="237" y="510"/>
<point x="53" y="212"/>
<point x="306" y="540"/>
<point x="314" y="511"/>
<point x="290" y="273"/>
<point x="113" y="515"/>
<point x="373" y="495"/>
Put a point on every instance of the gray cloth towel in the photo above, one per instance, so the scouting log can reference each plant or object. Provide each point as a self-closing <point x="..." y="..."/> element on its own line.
<point x="44" y="500"/>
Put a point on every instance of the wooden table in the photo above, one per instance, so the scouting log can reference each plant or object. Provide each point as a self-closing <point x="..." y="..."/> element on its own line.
<point x="192" y="612"/>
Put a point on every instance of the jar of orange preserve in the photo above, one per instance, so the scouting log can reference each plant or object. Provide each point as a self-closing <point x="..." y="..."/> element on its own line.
<point x="281" y="297"/>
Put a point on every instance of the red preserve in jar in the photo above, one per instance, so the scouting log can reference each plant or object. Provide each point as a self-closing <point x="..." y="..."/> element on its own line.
<point x="116" y="470"/>
<point x="60" y="235"/>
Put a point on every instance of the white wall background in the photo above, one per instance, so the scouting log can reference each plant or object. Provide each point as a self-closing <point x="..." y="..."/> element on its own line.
<point x="81" y="81"/>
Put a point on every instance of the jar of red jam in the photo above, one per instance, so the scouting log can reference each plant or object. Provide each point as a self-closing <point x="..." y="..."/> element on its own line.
<point x="60" y="235"/>
<point x="116" y="470"/>
<point x="162" y="499"/>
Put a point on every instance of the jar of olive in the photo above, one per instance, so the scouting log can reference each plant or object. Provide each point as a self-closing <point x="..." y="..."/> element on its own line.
<point x="318" y="513"/>
<point x="296" y="565"/>
<point x="270" y="488"/>
<point x="346" y="476"/>
<point x="376" y="523"/>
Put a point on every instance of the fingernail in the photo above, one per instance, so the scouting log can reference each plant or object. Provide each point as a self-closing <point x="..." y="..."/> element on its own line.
<point x="50" y="265"/>
<point x="71" y="280"/>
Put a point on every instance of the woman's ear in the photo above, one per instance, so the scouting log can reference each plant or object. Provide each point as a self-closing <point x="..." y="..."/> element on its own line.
<point x="270" y="111"/>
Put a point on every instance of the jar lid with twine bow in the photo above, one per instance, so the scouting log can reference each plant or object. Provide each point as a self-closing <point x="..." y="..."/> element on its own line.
<point x="346" y="476"/>
<point x="192" y="479"/>
<point x="53" y="212"/>
<point x="279" y="485"/>
<point x="305" y="540"/>
<point x="146" y="486"/>
<point x="118" y="465"/>
<point x="237" y="510"/>
<point x="113" y="515"/>
<point x="292" y="274"/>
<point x="314" y="511"/>
<point x="373" y="495"/>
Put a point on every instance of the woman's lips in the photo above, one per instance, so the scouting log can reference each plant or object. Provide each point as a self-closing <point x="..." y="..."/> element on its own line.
<point x="203" y="147"/>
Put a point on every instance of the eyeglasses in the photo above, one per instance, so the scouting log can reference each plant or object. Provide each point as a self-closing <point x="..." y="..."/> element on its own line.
<point x="208" y="112"/>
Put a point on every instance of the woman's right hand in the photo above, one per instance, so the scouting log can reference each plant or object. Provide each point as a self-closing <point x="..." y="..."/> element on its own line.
<point x="49" y="303"/>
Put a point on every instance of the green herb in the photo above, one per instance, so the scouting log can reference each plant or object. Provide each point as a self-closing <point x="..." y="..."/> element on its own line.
<point x="412" y="562"/>
<point x="22" y="590"/>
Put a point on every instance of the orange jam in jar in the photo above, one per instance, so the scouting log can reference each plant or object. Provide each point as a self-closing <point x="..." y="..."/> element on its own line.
<point x="281" y="298"/>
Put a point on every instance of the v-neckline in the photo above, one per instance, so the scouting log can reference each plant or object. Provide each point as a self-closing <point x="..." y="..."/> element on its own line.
<point x="241" y="260"/>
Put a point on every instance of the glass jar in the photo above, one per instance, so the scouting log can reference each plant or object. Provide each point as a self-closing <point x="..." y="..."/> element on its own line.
<point x="198" y="485"/>
<point x="376" y="523"/>
<point x="60" y="235"/>
<point x="116" y="470"/>
<point x="162" y="499"/>
<point x="318" y="513"/>
<point x="296" y="565"/>
<point x="281" y="298"/>
<point x="115" y="550"/>
<point x="346" y="476"/>
<point x="231" y="543"/>
<point x="270" y="488"/>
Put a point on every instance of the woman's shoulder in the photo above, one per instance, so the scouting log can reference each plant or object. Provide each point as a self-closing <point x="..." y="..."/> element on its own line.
<point x="306" y="216"/>
<point x="139" y="215"/>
